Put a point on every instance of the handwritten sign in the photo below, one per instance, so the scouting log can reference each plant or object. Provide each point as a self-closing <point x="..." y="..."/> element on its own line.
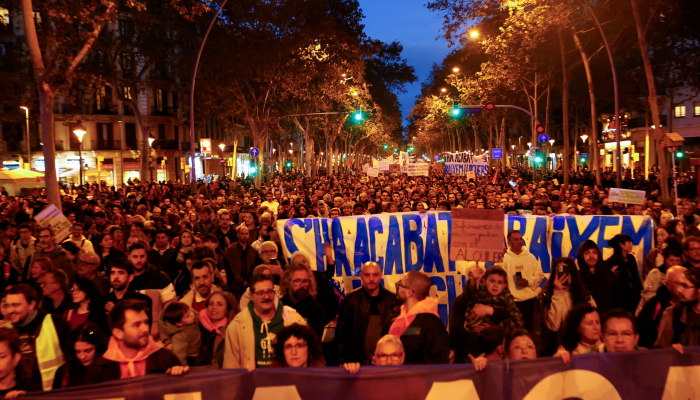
<point x="417" y="169"/>
<point x="471" y="175"/>
<point x="477" y="235"/>
<point x="627" y="196"/>
<point x="52" y="217"/>
<point x="372" y="172"/>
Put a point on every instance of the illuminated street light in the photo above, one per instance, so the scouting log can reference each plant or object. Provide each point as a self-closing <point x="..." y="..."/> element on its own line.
<point x="150" y="141"/>
<point x="80" y="131"/>
<point x="443" y="90"/>
<point x="512" y="147"/>
<point x="529" y="144"/>
<point x="584" y="137"/>
<point x="551" y="142"/>
<point x="222" y="146"/>
<point x="474" y="34"/>
<point x="455" y="69"/>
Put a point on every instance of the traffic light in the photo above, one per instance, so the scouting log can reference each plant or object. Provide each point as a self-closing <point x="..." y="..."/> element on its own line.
<point x="679" y="154"/>
<point x="538" y="159"/>
<point x="358" y="115"/>
<point x="410" y="148"/>
<point x="253" y="169"/>
<point x="455" y="111"/>
<point x="289" y="164"/>
<point x="386" y="146"/>
<point x="583" y="160"/>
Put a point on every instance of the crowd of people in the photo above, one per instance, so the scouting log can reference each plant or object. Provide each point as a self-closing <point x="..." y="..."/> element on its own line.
<point x="156" y="279"/>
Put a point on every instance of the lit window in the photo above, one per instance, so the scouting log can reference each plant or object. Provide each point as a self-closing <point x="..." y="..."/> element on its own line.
<point x="4" y="16"/>
<point x="696" y="109"/>
<point x="679" y="112"/>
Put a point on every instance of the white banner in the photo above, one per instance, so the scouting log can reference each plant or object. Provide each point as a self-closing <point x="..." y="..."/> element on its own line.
<point x="462" y="163"/>
<point x="627" y="196"/>
<point x="417" y="169"/>
<point x="402" y="242"/>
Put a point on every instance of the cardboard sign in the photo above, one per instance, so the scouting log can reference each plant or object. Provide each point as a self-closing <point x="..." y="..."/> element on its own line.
<point x="52" y="217"/>
<point x="477" y="235"/>
<point x="372" y="172"/>
<point x="365" y="168"/>
<point x="471" y="175"/>
<point x="555" y="182"/>
<point x="627" y="196"/>
<point x="417" y="169"/>
<point x="383" y="166"/>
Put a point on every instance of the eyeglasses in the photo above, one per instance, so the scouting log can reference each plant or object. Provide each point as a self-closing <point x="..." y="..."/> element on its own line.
<point x="269" y="252"/>
<point x="400" y="284"/>
<point x="265" y="293"/>
<point x="301" y="281"/>
<point x="296" y="346"/>
<point x="385" y="357"/>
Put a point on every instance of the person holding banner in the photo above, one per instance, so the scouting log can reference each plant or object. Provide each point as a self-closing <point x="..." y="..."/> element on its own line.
<point x="524" y="274"/>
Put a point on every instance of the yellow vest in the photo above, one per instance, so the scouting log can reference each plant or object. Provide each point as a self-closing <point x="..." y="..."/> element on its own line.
<point x="48" y="352"/>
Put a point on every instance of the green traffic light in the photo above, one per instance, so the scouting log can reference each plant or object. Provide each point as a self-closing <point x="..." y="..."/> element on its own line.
<point x="396" y="149"/>
<point x="386" y="146"/>
<point x="358" y="116"/>
<point x="538" y="159"/>
<point x="679" y="154"/>
<point x="583" y="160"/>
<point x="253" y="170"/>
<point x="455" y="111"/>
<point x="289" y="164"/>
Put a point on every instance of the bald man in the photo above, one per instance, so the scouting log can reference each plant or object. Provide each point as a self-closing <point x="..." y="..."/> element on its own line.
<point x="87" y="268"/>
<point x="650" y="315"/>
<point x="365" y="313"/>
<point x="679" y="323"/>
<point x="419" y="326"/>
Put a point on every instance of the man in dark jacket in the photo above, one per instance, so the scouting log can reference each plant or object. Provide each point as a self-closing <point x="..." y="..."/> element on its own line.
<point x="146" y="276"/>
<point x="421" y="330"/>
<point x="132" y="351"/>
<point x="162" y="255"/>
<point x="365" y="313"/>
<point x="299" y="289"/>
<point x="650" y="315"/>
<point x="241" y="258"/>
<point x="44" y="338"/>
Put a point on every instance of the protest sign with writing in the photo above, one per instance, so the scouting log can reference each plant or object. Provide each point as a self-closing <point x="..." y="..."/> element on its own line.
<point x="383" y="166"/>
<point x="417" y="169"/>
<point x="52" y="217"/>
<point x="477" y="235"/>
<point x="372" y="172"/>
<point x="627" y="196"/>
<point x="463" y="163"/>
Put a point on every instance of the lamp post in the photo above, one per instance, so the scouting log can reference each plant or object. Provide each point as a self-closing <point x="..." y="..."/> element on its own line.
<point x="551" y="144"/>
<point x="151" y="139"/>
<point x="80" y="131"/>
<point x="29" y="147"/>
<point x="223" y="165"/>
<point x="512" y="155"/>
<point x="584" y="137"/>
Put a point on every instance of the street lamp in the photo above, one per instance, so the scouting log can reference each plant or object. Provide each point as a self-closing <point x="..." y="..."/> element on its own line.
<point x="29" y="147"/>
<point x="151" y="139"/>
<point x="443" y="90"/>
<point x="455" y="69"/>
<point x="551" y="142"/>
<point x="80" y="131"/>
<point x="529" y="144"/>
<point x="474" y="34"/>
<point x="512" y="146"/>
<point x="584" y="137"/>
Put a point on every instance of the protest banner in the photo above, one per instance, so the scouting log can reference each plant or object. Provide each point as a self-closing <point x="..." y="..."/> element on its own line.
<point x="383" y="166"/>
<point x="372" y="172"/>
<point x="403" y="160"/>
<point x="365" y="167"/>
<point x="402" y="242"/>
<point x="635" y="375"/>
<point x="627" y="196"/>
<point x="52" y="217"/>
<point x="477" y="235"/>
<point x="417" y="169"/>
<point x="462" y="163"/>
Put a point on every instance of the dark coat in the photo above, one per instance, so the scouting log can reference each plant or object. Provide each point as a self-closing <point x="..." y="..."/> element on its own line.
<point x="165" y="262"/>
<point x="353" y="321"/>
<point x="241" y="262"/>
<point x="426" y="341"/>
<point x="103" y="370"/>
<point x="311" y="310"/>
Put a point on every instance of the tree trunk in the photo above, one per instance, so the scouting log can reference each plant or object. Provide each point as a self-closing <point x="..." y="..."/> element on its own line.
<point x="565" y="109"/>
<point x="144" y="146"/>
<point x="475" y="127"/>
<point x="235" y="156"/>
<point x="594" y="128"/>
<point x="653" y="104"/>
<point x="46" y="97"/>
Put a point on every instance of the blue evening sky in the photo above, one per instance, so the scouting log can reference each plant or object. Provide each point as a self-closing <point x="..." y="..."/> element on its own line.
<point x="416" y="28"/>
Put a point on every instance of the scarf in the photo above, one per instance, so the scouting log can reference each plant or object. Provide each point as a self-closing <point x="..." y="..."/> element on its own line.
<point x="184" y="250"/>
<point x="405" y="319"/>
<point x="136" y="366"/>
<point x="209" y="325"/>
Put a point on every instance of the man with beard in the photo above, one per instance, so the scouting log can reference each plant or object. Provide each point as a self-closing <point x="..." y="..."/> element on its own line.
<point x="54" y="252"/>
<point x="121" y="274"/>
<point x="132" y="351"/>
<point x="251" y="334"/>
<point x="691" y="251"/>
<point x="241" y="258"/>
<point x="419" y="326"/>
<point x="146" y="276"/>
<point x="44" y="338"/>
<point x="298" y="288"/>
<point x="202" y="286"/>
<point x="364" y="314"/>
<point x="650" y="315"/>
<point x="162" y="255"/>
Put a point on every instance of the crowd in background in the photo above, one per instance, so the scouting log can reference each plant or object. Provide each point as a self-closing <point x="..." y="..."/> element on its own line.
<point x="156" y="278"/>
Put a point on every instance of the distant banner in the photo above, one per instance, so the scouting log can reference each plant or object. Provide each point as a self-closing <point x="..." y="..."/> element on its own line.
<point x="462" y="163"/>
<point x="402" y="242"/>
<point x="628" y="196"/>
<point x="417" y="169"/>
<point x="637" y="375"/>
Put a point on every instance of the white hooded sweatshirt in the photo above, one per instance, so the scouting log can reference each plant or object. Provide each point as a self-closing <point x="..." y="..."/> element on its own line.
<point x="531" y="270"/>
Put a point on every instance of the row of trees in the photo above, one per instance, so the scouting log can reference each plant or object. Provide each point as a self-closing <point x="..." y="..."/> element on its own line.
<point x="549" y="56"/>
<point x="263" y="61"/>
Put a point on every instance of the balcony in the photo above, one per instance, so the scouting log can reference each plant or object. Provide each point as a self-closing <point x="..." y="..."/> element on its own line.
<point x="113" y="145"/>
<point x="105" y="110"/>
<point x="166" y="145"/>
<point x="164" y="111"/>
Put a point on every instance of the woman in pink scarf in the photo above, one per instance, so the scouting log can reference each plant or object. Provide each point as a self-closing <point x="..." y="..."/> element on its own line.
<point x="213" y="320"/>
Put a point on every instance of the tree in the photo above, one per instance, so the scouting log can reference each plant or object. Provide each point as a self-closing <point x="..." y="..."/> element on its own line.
<point x="68" y="29"/>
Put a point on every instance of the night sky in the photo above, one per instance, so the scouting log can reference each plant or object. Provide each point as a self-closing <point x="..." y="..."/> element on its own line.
<point x="412" y="24"/>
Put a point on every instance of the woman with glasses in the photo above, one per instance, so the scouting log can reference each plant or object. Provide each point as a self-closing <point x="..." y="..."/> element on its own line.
<point x="89" y="343"/>
<point x="85" y="295"/>
<point x="297" y="346"/>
